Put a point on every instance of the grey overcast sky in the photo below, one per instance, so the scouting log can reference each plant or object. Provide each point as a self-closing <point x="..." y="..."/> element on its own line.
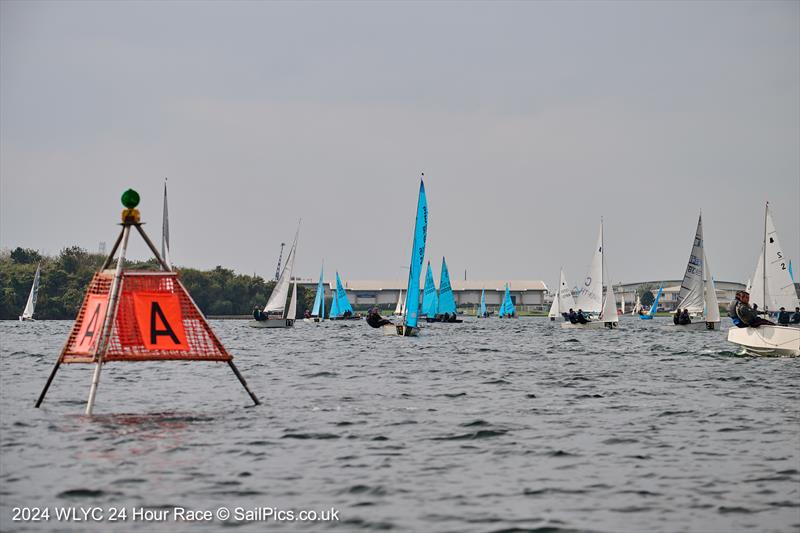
<point x="531" y="120"/>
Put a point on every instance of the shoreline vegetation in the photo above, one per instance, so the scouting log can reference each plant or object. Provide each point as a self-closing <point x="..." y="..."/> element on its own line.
<point x="65" y="277"/>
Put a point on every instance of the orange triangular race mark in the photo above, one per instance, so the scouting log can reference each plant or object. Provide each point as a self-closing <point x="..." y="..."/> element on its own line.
<point x="155" y="319"/>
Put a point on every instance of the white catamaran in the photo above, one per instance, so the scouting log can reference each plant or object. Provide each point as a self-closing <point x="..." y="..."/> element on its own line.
<point x="591" y="299"/>
<point x="275" y="314"/>
<point x="562" y="301"/>
<point x="698" y="294"/>
<point x="30" y="306"/>
<point x="772" y="288"/>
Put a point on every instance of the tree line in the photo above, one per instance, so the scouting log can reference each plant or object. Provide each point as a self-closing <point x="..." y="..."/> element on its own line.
<point x="65" y="278"/>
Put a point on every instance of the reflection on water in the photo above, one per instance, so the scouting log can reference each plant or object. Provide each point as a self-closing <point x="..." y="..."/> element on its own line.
<point x="484" y="426"/>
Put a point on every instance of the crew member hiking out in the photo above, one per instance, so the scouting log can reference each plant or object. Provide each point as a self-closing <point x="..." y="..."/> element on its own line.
<point x="744" y="316"/>
<point x="375" y="319"/>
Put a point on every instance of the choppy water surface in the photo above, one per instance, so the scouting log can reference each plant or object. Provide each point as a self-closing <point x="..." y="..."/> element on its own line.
<point x="485" y="426"/>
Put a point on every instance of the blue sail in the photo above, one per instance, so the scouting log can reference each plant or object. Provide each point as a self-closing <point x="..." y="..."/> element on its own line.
<point x="483" y="303"/>
<point x="417" y="257"/>
<point x="334" y="312"/>
<point x="319" y="299"/>
<point x="341" y="296"/>
<point x="429" y="306"/>
<point x="447" y="303"/>
<point x="507" y="307"/>
<point x="654" y="307"/>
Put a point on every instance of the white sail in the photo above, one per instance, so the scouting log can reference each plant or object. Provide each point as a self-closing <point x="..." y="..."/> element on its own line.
<point x="609" y="313"/>
<point x="165" y="231"/>
<point x="565" y="299"/>
<point x="30" y="306"/>
<point x="277" y="300"/>
<point x="555" y="310"/>
<point x="590" y="298"/>
<point x="622" y="303"/>
<point x="292" y="312"/>
<point x="779" y="291"/>
<point x="398" y="309"/>
<point x="691" y="294"/>
<point x="405" y="302"/>
<point x="712" y="305"/>
<point x="637" y="306"/>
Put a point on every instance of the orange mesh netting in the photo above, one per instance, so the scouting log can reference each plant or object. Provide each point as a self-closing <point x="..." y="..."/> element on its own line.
<point x="155" y="320"/>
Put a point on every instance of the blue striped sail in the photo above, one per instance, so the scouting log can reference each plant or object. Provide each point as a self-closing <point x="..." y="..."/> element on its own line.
<point x="447" y="303"/>
<point x="319" y="299"/>
<point x="483" y="303"/>
<point x="429" y="299"/>
<point x="417" y="257"/>
<point x="341" y="296"/>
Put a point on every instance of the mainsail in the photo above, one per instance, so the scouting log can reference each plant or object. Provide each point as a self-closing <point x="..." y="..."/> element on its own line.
<point x="277" y="300"/>
<point x="429" y="299"/>
<point x="562" y="302"/>
<point x="417" y="257"/>
<point x="690" y="296"/>
<point x="483" y="302"/>
<point x="654" y="307"/>
<point x="447" y="303"/>
<point x="165" y="231"/>
<point x="342" y="301"/>
<point x="772" y="285"/>
<point x="590" y="298"/>
<point x="507" y="307"/>
<point x="319" y="298"/>
<point x="33" y="296"/>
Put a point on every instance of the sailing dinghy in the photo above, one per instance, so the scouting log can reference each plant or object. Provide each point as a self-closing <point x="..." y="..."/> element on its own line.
<point x="275" y="314"/>
<point x="318" y="311"/>
<point x="507" y="308"/>
<point x="409" y="327"/>
<point x="445" y="301"/>
<point x="591" y="299"/>
<point x="30" y="306"/>
<point x="401" y="304"/>
<point x="562" y="302"/>
<point x="340" y="307"/>
<point x="482" y="310"/>
<point x="698" y="294"/>
<point x="653" y="308"/>
<point x="772" y="288"/>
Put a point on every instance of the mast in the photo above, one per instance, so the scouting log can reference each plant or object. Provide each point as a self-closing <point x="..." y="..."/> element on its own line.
<point x="764" y="270"/>
<point x="280" y="258"/>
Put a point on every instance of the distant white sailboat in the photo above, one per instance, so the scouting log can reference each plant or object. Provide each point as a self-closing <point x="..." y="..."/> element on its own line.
<point x="562" y="301"/>
<point x="698" y="294"/>
<point x="772" y="288"/>
<point x="33" y="296"/>
<point x="275" y="314"/>
<point x="591" y="299"/>
<point x="165" y="231"/>
<point x="401" y="304"/>
<point x="637" y="307"/>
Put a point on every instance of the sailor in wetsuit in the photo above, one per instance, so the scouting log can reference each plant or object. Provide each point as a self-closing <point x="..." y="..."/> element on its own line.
<point x="572" y="317"/>
<point x="677" y="318"/>
<point x="581" y="317"/>
<point x="685" y="320"/>
<point x="258" y="314"/>
<point x="744" y="316"/>
<point x="375" y="319"/>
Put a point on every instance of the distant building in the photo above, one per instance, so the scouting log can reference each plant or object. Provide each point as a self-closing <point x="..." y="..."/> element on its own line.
<point x="527" y="295"/>
<point x="726" y="290"/>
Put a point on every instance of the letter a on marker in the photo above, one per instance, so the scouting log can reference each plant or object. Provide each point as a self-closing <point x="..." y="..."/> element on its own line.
<point x="92" y="323"/>
<point x="160" y="320"/>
